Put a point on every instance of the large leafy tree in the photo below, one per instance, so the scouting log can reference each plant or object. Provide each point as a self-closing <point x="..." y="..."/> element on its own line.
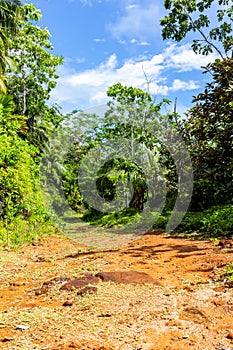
<point x="209" y="132"/>
<point x="26" y="117"/>
<point x="132" y="119"/>
<point x="34" y="76"/>
<point x="187" y="16"/>
<point x="208" y="127"/>
<point x="10" y="10"/>
<point x="133" y="115"/>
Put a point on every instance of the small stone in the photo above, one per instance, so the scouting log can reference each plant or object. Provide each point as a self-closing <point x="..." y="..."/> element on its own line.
<point x="41" y="290"/>
<point x="219" y="289"/>
<point x="22" y="327"/>
<point x="174" y="323"/>
<point x="6" y="339"/>
<point x="228" y="284"/>
<point x="176" y="335"/>
<point x="85" y="290"/>
<point x="230" y="335"/>
<point x="193" y="314"/>
<point x="219" y="302"/>
<point x="105" y="315"/>
<point x="167" y="294"/>
<point x="228" y="308"/>
<point x="189" y="288"/>
<point x="68" y="303"/>
<point x="225" y="243"/>
<point x="49" y="284"/>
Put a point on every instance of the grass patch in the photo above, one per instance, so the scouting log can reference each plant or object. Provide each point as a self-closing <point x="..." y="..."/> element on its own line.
<point x="214" y="222"/>
<point x="229" y="272"/>
<point x="114" y="219"/>
<point x="21" y="232"/>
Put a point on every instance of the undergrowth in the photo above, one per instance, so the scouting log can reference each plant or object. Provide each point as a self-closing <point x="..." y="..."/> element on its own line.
<point x="108" y="220"/>
<point x="214" y="222"/>
<point x="229" y="272"/>
<point x="22" y="232"/>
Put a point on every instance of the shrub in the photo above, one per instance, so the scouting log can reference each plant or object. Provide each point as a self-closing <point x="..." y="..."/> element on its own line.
<point x="218" y="221"/>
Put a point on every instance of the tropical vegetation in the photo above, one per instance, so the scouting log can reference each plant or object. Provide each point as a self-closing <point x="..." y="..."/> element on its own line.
<point x="133" y="121"/>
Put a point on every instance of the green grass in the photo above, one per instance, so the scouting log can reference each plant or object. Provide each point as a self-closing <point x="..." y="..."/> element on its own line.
<point x="21" y="232"/>
<point x="121" y="218"/>
<point x="229" y="272"/>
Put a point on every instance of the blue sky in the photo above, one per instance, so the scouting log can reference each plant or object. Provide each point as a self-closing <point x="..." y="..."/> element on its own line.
<point x="106" y="41"/>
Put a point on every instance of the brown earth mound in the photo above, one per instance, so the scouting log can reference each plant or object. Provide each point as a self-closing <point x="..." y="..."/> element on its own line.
<point x="125" y="277"/>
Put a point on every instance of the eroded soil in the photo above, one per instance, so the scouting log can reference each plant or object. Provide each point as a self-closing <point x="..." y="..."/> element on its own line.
<point x="184" y="304"/>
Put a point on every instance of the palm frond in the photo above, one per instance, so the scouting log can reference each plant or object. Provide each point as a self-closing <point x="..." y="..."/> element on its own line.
<point x="9" y="13"/>
<point x="3" y="88"/>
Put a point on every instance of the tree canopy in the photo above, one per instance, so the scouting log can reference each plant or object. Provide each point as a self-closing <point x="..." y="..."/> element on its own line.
<point x="147" y="171"/>
<point x="187" y="16"/>
<point x="10" y="11"/>
<point x="34" y="76"/>
<point x="27" y="117"/>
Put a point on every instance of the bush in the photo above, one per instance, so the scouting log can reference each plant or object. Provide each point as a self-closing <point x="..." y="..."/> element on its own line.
<point x="218" y="221"/>
<point x="21" y="205"/>
<point x="21" y="231"/>
<point x="192" y="222"/>
<point x="123" y="217"/>
<point x="215" y="222"/>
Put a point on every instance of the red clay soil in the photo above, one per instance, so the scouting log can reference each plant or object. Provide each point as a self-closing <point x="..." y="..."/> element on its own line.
<point x="177" y="299"/>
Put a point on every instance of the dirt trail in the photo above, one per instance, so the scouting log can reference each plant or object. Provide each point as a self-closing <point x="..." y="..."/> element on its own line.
<point x="189" y="307"/>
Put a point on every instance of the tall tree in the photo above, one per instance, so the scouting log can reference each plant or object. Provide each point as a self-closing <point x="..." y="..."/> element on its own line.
<point x="208" y="127"/>
<point x="133" y="115"/>
<point x="192" y="16"/>
<point x="209" y="132"/>
<point x="34" y="76"/>
<point x="131" y="123"/>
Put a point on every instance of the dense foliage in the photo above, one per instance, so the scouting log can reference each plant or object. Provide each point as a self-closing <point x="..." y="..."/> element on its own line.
<point x="209" y="132"/>
<point x="21" y="206"/>
<point x="187" y="16"/>
<point x="10" y="12"/>
<point x="26" y="119"/>
<point x="34" y="77"/>
<point x="132" y="116"/>
<point x="133" y="120"/>
<point x="207" y="128"/>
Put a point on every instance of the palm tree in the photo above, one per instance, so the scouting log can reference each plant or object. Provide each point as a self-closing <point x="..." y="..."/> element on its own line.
<point x="9" y="14"/>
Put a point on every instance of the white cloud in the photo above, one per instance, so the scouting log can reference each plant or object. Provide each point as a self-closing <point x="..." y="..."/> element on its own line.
<point x="183" y="85"/>
<point x="110" y="64"/>
<point x="144" y="43"/>
<point x="89" y="86"/>
<point x="86" y="2"/>
<point x="138" y="21"/>
<point x="99" y="40"/>
<point x="182" y="58"/>
<point x="71" y="60"/>
<point x="80" y="60"/>
<point x="135" y="41"/>
<point x="133" y="6"/>
<point x="122" y="42"/>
